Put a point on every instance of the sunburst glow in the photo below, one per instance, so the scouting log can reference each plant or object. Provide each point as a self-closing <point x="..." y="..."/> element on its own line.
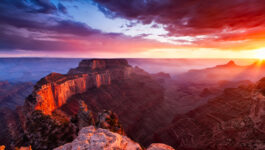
<point x="260" y="54"/>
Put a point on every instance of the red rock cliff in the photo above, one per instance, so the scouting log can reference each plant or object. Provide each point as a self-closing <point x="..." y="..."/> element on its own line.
<point x="52" y="91"/>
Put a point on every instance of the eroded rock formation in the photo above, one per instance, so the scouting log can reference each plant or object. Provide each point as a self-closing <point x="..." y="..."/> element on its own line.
<point x="53" y="91"/>
<point x="90" y="138"/>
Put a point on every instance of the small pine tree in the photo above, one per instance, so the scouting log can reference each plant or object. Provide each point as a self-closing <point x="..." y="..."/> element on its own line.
<point x="84" y="116"/>
<point x="109" y="120"/>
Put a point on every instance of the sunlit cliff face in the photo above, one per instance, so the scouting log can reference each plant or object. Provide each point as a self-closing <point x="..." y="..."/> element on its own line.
<point x="117" y="28"/>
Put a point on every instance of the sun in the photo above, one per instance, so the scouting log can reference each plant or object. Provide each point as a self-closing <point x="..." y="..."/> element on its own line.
<point x="260" y="54"/>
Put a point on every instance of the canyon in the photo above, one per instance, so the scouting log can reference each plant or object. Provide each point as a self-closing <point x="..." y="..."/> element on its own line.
<point x="13" y="94"/>
<point x="148" y="108"/>
<point x="233" y="120"/>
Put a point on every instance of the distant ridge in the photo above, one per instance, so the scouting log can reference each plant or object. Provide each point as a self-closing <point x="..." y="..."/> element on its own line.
<point x="229" y="71"/>
<point x="231" y="63"/>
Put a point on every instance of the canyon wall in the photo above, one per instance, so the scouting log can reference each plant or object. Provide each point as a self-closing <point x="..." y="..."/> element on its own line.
<point x="52" y="91"/>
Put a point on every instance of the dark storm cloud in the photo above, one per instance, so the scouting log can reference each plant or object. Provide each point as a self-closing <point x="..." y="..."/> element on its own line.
<point x="33" y="14"/>
<point x="42" y="36"/>
<point x="189" y="17"/>
<point x="38" y="26"/>
<point x="31" y="6"/>
<point x="28" y="24"/>
<point x="52" y="25"/>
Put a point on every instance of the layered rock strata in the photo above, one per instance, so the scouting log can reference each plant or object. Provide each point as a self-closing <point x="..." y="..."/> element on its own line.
<point x="233" y="120"/>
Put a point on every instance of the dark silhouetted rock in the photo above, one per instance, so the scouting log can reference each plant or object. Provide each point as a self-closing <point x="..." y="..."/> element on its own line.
<point x="109" y="120"/>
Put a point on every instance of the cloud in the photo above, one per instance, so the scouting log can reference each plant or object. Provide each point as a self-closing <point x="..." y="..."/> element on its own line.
<point x="31" y="6"/>
<point x="45" y="25"/>
<point x="107" y="43"/>
<point x="39" y="28"/>
<point x="218" y="20"/>
<point x="189" y="14"/>
<point x="44" y="6"/>
<point x="62" y="8"/>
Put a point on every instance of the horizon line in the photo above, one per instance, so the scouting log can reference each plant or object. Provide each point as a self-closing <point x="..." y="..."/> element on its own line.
<point x="3" y="57"/>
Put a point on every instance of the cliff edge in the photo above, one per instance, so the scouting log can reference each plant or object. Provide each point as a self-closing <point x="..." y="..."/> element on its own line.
<point x="52" y="91"/>
<point x="90" y="138"/>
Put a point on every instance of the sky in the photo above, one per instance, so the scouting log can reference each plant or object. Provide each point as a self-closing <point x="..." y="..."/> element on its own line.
<point x="133" y="28"/>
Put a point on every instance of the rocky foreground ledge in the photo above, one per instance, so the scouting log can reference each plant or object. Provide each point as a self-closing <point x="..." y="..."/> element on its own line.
<point x="90" y="138"/>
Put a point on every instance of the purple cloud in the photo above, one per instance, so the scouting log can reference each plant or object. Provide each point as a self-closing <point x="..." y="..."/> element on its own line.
<point x="189" y="17"/>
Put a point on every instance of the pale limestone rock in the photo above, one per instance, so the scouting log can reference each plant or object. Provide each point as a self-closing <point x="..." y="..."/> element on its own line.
<point x="90" y="138"/>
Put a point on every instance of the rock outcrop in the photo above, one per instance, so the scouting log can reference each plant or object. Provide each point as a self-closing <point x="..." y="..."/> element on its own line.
<point x="90" y="138"/>
<point x="53" y="91"/>
<point x="88" y="66"/>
